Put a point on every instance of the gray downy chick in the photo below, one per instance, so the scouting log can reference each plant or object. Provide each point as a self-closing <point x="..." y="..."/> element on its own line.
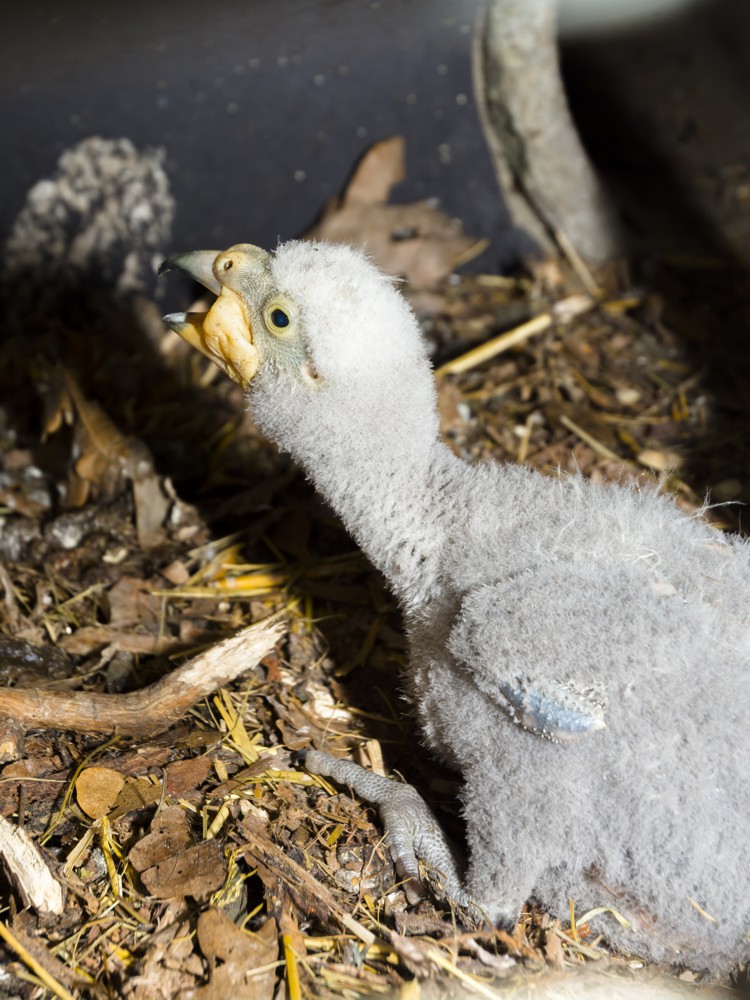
<point x="579" y="653"/>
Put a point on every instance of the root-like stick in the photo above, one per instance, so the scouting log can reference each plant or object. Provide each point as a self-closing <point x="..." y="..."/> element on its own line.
<point x="151" y="710"/>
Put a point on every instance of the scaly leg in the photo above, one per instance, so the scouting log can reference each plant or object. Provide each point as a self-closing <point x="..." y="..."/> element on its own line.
<point x="412" y="833"/>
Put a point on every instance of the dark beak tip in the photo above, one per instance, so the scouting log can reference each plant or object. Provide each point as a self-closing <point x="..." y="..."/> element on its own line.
<point x="196" y="264"/>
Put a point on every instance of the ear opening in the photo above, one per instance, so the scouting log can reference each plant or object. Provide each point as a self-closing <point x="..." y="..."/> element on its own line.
<point x="310" y="373"/>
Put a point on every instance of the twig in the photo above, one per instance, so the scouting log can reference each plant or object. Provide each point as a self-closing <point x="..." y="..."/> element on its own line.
<point x="562" y="311"/>
<point x="577" y="263"/>
<point x="36" y="967"/>
<point x="490" y="349"/>
<point x="601" y="449"/>
<point x="472" y="984"/>
<point x="308" y="893"/>
<point x="151" y="710"/>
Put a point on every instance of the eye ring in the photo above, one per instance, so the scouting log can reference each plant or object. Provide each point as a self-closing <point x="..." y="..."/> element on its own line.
<point x="279" y="319"/>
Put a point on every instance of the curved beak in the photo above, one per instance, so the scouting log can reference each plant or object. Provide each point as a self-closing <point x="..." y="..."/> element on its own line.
<point x="198" y="264"/>
<point x="224" y="334"/>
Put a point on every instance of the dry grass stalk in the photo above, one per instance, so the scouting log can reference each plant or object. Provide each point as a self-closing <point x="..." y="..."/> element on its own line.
<point x="33" y="964"/>
<point x="566" y="309"/>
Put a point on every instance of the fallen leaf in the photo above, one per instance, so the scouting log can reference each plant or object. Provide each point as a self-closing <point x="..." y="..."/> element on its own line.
<point x="97" y="789"/>
<point x="234" y="956"/>
<point x="381" y="168"/>
<point x="413" y="240"/>
<point x="132" y="602"/>
<point x="102" y="453"/>
<point x="196" y="871"/>
<point x="170" y="967"/>
<point x="172" y="864"/>
<point x="137" y="794"/>
<point x="169" y="835"/>
<point x="103" y="457"/>
<point x="186" y="776"/>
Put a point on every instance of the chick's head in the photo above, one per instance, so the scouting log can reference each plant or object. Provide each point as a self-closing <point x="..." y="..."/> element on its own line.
<point x="316" y="313"/>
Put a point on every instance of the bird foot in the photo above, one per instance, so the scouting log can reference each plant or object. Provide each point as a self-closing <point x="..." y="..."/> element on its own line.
<point x="419" y="848"/>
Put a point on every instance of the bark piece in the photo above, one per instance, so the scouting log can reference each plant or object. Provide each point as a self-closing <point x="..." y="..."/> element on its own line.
<point x="29" y="871"/>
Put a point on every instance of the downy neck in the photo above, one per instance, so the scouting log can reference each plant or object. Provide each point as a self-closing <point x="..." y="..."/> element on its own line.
<point x="386" y="474"/>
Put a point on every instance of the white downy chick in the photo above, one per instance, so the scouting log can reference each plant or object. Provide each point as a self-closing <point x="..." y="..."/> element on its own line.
<point x="579" y="653"/>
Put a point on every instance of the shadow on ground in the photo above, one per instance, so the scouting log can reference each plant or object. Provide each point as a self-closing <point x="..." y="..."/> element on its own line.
<point x="665" y="114"/>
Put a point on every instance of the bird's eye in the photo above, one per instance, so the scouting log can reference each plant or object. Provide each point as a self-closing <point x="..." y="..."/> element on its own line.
<point x="279" y="318"/>
<point x="228" y="264"/>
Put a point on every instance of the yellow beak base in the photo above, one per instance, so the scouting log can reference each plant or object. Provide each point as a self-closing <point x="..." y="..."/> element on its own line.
<point x="223" y="335"/>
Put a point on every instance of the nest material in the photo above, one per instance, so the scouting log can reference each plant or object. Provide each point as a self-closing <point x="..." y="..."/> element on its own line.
<point x="204" y="857"/>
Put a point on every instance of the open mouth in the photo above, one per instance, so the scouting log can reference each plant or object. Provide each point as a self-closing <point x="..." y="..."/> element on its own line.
<point x="224" y="334"/>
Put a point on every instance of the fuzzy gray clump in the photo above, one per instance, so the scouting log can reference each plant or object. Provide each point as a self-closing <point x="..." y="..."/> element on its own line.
<point x="581" y="654"/>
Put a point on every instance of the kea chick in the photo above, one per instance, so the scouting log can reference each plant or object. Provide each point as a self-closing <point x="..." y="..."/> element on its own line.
<point x="579" y="653"/>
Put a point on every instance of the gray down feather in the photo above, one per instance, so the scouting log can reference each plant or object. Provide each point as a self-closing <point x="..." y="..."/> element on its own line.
<point x="579" y="653"/>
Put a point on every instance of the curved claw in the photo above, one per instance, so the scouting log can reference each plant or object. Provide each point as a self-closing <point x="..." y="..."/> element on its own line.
<point x="418" y="846"/>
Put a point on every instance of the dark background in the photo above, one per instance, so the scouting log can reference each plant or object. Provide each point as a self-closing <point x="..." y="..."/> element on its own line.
<point x="263" y="107"/>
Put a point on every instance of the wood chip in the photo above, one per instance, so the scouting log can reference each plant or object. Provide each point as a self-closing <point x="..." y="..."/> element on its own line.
<point x="29" y="871"/>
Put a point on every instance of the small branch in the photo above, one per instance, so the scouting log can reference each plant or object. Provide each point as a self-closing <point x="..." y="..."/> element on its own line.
<point x="151" y="710"/>
<point x="561" y="312"/>
<point x="544" y="172"/>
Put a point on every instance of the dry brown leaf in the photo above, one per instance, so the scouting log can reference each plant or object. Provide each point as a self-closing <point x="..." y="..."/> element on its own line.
<point x="553" y="950"/>
<point x="169" y="835"/>
<point x="132" y="601"/>
<point x="104" y="458"/>
<point x="414" y="240"/>
<point x="97" y="789"/>
<point x="186" y="776"/>
<point x="170" y="967"/>
<point x="57" y="402"/>
<point x="137" y="794"/>
<point x="171" y="864"/>
<point x="103" y="453"/>
<point x="234" y="955"/>
<point x="197" y="871"/>
<point x="381" y="168"/>
<point x="152" y="502"/>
